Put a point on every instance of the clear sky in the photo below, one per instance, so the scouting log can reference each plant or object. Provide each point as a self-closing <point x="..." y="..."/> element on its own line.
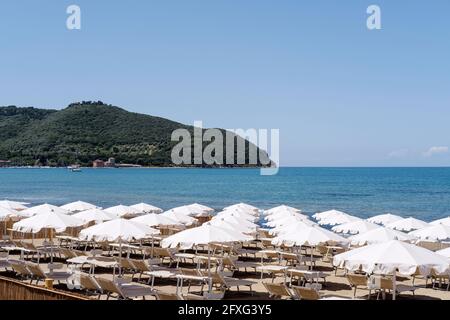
<point x="340" y="94"/>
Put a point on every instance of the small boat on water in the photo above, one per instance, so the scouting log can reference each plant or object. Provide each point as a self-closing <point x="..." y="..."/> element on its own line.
<point x="74" y="168"/>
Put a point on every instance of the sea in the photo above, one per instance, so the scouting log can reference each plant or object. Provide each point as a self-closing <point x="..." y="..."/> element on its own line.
<point x="423" y="193"/>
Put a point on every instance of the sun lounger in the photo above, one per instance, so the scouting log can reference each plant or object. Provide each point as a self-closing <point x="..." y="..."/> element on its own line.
<point x="226" y="283"/>
<point x="39" y="275"/>
<point x="386" y="284"/>
<point x="4" y="260"/>
<point x="123" y="290"/>
<point x="277" y="290"/>
<point x="232" y="264"/>
<point x="303" y="293"/>
<point x="21" y="270"/>
<point x="166" y="296"/>
<point x="163" y="254"/>
<point x="272" y="270"/>
<point x="89" y="283"/>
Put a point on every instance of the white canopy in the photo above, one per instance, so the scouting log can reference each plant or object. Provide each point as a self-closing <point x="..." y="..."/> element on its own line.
<point x="245" y="207"/>
<point x="287" y="220"/>
<point x="434" y="233"/>
<point x="153" y="219"/>
<point x="444" y="221"/>
<point x="192" y="211"/>
<point x="444" y="252"/>
<point x="407" y="224"/>
<point x="6" y="213"/>
<point x="308" y="236"/>
<point x="96" y="215"/>
<point x="200" y="207"/>
<point x="43" y="209"/>
<point x="117" y="230"/>
<point x="378" y="235"/>
<point x="203" y="235"/>
<point x="236" y="219"/>
<point x="222" y="223"/>
<point x="238" y="213"/>
<point x="283" y="214"/>
<point x="387" y="257"/>
<point x="14" y="205"/>
<point x="291" y="227"/>
<point x="78" y="206"/>
<point x="337" y="219"/>
<point x="146" y="208"/>
<point x="179" y="217"/>
<point x="384" y="219"/>
<point x="49" y="220"/>
<point x="282" y="208"/>
<point x="354" y="227"/>
<point x="122" y="211"/>
<point x="326" y="214"/>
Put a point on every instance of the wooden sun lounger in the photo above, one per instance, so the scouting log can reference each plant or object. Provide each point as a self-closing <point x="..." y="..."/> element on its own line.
<point x="303" y="293"/>
<point x="124" y="290"/>
<point x="277" y="290"/>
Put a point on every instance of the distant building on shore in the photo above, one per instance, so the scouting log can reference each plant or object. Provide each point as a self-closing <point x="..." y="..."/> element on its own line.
<point x="5" y="163"/>
<point x="111" y="163"/>
<point x="98" y="164"/>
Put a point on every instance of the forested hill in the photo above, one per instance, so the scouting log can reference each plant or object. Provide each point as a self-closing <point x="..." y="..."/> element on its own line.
<point x="84" y="132"/>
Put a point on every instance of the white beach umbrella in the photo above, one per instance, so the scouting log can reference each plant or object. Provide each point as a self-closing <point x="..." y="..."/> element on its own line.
<point x="153" y="219"/>
<point x="282" y="208"/>
<point x="236" y="219"/>
<point x="96" y="215"/>
<point x="338" y="219"/>
<point x="388" y="257"/>
<point x="283" y="214"/>
<point x="78" y="206"/>
<point x="14" y="205"/>
<point x="444" y="252"/>
<point x="146" y="208"/>
<point x="354" y="227"/>
<point x="7" y="214"/>
<point x="238" y="213"/>
<point x="222" y="223"/>
<point x="384" y="219"/>
<point x="308" y="236"/>
<point x="43" y="209"/>
<point x="287" y="220"/>
<point x="200" y="208"/>
<point x="49" y="220"/>
<point x="203" y="235"/>
<point x="408" y="224"/>
<point x="433" y="232"/>
<point x="180" y="217"/>
<point x="291" y="227"/>
<point x="191" y="211"/>
<point x="378" y="235"/>
<point x="122" y="211"/>
<point x="245" y="207"/>
<point x="444" y="221"/>
<point x="118" y="230"/>
<point x="327" y="214"/>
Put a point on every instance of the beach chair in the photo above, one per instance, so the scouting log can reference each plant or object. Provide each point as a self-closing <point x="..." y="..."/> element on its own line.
<point x="21" y="270"/>
<point x="233" y="264"/>
<point x="357" y="281"/>
<point x="225" y="283"/>
<point x="440" y="279"/>
<point x="39" y="275"/>
<point x="166" y="296"/>
<point x="4" y="260"/>
<point x="303" y="293"/>
<point x="67" y="253"/>
<point x="277" y="290"/>
<point x="163" y="254"/>
<point x="386" y="284"/>
<point x="123" y="290"/>
<point x="89" y="284"/>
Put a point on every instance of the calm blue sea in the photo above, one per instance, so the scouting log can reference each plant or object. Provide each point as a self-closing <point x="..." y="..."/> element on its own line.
<point x="420" y="192"/>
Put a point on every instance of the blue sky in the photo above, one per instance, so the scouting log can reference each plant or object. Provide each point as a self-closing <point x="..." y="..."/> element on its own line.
<point x="340" y="94"/>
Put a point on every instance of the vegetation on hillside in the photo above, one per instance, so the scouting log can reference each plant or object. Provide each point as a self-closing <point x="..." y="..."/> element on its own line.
<point x="84" y="132"/>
